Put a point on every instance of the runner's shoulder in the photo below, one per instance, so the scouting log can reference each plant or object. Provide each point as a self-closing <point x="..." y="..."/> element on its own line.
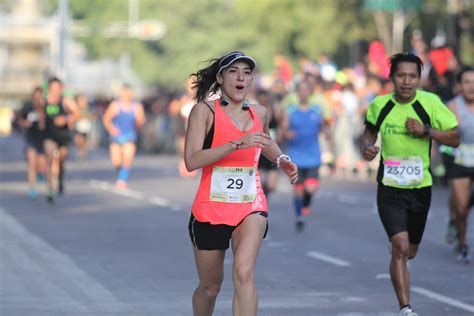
<point x="203" y="109"/>
<point x="259" y="109"/>
<point x="379" y="101"/>
<point x="427" y="98"/>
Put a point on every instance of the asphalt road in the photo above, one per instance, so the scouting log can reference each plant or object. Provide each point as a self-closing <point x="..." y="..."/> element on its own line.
<point x="98" y="251"/>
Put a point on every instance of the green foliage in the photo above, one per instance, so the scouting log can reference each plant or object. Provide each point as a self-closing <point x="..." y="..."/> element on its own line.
<point x="198" y="30"/>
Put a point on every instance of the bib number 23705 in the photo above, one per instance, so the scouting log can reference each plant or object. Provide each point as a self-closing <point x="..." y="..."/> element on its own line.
<point x="233" y="184"/>
<point x="403" y="171"/>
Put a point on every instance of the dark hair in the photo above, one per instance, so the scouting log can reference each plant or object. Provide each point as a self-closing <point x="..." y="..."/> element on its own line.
<point x="126" y="85"/>
<point x="463" y="71"/>
<point x="37" y="89"/>
<point x="205" y="80"/>
<point x="54" y="79"/>
<point x="397" y="59"/>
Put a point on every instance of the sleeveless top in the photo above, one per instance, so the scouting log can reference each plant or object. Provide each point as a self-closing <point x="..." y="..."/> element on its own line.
<point x="466" y="121"/>
<point x="124" y="120"/>
<point x="218" y="199"/>
<point x="33" y="134"/>
<point x="53" y="110"/>
<point x="464" y="153"/>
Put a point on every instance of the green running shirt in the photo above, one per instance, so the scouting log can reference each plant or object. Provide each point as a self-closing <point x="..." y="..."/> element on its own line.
<point x="402" y="153"/>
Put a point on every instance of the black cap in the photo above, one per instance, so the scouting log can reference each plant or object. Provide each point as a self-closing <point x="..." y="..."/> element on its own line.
<point x="230" y="58"/>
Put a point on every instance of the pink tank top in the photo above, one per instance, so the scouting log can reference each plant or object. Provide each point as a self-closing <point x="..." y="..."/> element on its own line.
<point x="230" y="188"/>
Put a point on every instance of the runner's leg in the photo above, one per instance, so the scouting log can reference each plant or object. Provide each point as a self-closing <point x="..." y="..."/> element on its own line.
<point x="246" y="241"/>
<point x="128" y="155"/>
<point x="461" y="196"/>
<point x="210" y="268"/>
<point x="398" y="267"/>
<point x="31" y="156"/>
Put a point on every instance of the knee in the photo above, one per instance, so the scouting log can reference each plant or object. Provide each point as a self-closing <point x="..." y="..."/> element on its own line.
<point x="210" y="291"/>
<point x="401" y="251"/>
<point x="243" y="275"/>
<point x="309" y="189"/>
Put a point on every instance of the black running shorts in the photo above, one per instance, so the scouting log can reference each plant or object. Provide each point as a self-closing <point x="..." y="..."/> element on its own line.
<point x="206" y="236"/>
<point x="404" y="210"/>
<point x="307" y="174"/>
<point x="455" y="171"/>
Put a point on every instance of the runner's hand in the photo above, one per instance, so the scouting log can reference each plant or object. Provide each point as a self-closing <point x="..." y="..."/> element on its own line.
<point x="290" y="169"/>
<point x="290" y="134"/>
<point x="370" y="152"/>
<point x="114" y="131"/>
<point x="414" y="127"/>
<point x="252" y="139"/>
<point x="27" y="124"/>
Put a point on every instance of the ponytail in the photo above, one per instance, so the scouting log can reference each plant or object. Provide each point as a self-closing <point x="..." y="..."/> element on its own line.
<point x="205" y="81"/>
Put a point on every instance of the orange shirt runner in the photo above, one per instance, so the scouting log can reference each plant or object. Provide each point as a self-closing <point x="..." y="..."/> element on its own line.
<point x="230" y="188"/>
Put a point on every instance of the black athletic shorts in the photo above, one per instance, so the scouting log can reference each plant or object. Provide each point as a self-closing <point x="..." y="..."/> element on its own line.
<point x="206" y="236"/>
<point x="61" y="137"/>
<point x="404" y="210"/>
<point x="454" y="171"/>
<point x="305" y="174"/>
<point x="36" y="143"/>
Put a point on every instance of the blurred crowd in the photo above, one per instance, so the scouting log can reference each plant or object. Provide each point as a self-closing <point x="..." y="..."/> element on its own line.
<point x="344" y="92"/>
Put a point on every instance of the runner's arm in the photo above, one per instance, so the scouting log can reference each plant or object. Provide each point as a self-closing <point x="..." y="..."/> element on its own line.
<point x="450" y="138"/>
<point x="370" y="137"/>
<point x="273" y="150"/>
<point x="194" y="156"/>
<point x="274" y="153"/>
<point x="108" y="117"/>
<point x="140" y="117"/>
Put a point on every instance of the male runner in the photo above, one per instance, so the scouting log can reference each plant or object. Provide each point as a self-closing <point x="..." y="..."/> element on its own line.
<point x="407" y="120"/>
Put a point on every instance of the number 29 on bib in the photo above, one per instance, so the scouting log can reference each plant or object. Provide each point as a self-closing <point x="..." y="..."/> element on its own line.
<point x="233" y="184"/>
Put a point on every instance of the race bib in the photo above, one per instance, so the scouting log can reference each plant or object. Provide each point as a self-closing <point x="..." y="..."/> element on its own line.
<point x="233" y="184"/>
<point x="464" y="155"/>
<point x="83" y="126"/>
<point x="403" y="171"/>
<point x="32" y="116"/>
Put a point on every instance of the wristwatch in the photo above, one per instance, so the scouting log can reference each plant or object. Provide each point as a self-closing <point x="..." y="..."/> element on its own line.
<point x="426" y="130"/>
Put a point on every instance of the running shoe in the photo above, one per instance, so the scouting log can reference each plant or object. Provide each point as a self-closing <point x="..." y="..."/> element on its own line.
<point x="33" y="194"/>
<point x="464" y="256"/>
<point x="122" y="185"/>
<point x="407" y="311"/>
<point x="451" y="233"/>
<point x="50" y="198"/>
<point x="299" y="224"/>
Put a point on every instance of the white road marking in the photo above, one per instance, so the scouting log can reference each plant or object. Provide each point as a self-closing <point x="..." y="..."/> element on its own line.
<point x="39" y="275"/>
<point x="159" y="201"/>
<point x="328" y="259"/>
<point x="442" y="298"/>
<point x="434" y="295"/>
<point x="156" y="200"/>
